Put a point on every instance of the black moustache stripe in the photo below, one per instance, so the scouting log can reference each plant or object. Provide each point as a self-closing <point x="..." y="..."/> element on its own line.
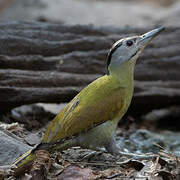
<point x="112" y="50"/>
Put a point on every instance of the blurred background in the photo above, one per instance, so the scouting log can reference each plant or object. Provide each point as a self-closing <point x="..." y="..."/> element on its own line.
<point x="51" y="49"/>
<point x="137" y="13"/>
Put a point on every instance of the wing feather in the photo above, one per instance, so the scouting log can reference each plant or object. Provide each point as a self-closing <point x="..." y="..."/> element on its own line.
<point x="101" y="101"/>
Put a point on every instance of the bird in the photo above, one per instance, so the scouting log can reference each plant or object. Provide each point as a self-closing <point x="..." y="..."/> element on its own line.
<point x="90" y="119"/>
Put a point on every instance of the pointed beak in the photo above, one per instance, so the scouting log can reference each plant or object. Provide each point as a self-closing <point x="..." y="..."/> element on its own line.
<point x="147" y="37"/>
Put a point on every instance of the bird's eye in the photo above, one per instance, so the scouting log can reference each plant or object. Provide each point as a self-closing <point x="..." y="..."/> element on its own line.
<point x="129" y="43"/>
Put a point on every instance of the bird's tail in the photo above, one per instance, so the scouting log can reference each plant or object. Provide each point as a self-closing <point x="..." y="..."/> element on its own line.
<point x="25" y="160"/>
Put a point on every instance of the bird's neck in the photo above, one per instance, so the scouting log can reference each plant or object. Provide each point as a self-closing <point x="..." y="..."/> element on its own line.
<point x="124" y="73"/>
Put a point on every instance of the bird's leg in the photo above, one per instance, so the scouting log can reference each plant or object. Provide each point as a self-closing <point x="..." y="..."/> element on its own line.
<point x="113" y="149"/>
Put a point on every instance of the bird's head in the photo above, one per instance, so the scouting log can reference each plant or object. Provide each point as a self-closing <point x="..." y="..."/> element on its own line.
<point x="127" y="50"/>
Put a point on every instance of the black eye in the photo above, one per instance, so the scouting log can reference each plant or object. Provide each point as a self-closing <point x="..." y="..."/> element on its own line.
<point x="129" y="43"/>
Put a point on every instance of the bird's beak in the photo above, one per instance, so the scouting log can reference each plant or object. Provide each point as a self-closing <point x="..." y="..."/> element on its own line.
<point x="147" y="37"/>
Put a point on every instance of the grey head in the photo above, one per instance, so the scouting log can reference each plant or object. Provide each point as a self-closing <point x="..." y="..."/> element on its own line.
<point x="129" y="48"/>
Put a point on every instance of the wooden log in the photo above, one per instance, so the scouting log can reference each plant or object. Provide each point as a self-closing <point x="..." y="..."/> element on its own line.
<point x="51" y="63"/>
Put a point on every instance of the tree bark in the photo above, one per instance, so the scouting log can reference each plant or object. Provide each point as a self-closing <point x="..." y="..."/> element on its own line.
<point x="51" y="63"/>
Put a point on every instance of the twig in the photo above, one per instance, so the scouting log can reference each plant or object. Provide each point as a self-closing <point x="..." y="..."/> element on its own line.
<point x="93" y="163"/>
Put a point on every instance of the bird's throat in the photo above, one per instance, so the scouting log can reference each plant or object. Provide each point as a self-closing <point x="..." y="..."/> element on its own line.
<point x="124" y="73"/>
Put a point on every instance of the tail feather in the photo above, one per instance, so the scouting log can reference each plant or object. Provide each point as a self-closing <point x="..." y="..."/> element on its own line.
<point x="25" y="159"/>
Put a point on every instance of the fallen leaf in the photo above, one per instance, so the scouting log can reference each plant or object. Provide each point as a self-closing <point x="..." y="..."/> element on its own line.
<point x="76" y="173"/>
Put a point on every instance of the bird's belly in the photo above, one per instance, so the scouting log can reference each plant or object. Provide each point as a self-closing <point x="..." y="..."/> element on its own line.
<point x="102" y="134"/>
<point x="98" y="136"/>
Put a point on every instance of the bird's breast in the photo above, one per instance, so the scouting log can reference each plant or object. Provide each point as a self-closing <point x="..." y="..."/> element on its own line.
<point x="124" y="103"/>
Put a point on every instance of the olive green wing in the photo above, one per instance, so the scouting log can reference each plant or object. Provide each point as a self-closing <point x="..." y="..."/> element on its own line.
<point x="91" y="107"/>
